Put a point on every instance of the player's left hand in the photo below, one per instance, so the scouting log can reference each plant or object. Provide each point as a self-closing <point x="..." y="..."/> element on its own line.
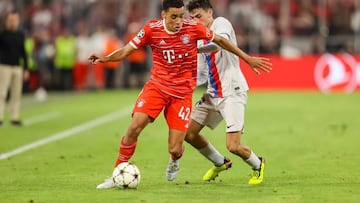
<point x="258" y="64"/>
<point x="26" y="75"/>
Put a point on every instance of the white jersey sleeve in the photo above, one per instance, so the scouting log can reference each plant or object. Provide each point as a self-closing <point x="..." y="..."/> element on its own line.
<point x="202" y="69"/>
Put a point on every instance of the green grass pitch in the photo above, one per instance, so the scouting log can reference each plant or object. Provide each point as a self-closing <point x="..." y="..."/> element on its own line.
<point x="310" y="142"/>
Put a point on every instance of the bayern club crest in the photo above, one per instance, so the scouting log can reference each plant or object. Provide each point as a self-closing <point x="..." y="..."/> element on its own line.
<point x="185" y="39"/>
<point x="140" y="103"/>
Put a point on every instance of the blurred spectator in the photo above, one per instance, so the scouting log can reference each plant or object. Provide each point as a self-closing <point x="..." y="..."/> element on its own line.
<point x="36" y="80"/>
<point x="65" y="57"/>
<point x="12" y="51"/>
<point x="355" y="18"/>
<point x="222" y="7"/>
<point x="240" y="12"/>
<point x="355" y="25"/>
<point x="44" y="55"/>
<point x="83" y="51"/>
<point x="42" y="16"/>
<point x="269" y="41"/>
<point x="98" y="39"/>
<point x="252" y="19"/>
<point x="112" y="43"/>
<point x="340" y="18"/>
<point x="348" y="47"/>
<point x="136" y="61"/>
<point x="304" y="22"/>
<point x="284" y="19"/>
<point x="262" y="26"/>
<point x="317" y="44"/>
<point x="32" y="83"/>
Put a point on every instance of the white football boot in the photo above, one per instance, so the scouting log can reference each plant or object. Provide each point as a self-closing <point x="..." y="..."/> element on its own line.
<point x="107" y="184"/>
<point x="172" y="169"/>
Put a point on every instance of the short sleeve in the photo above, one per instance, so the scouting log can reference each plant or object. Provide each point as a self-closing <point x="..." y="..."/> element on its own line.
<point x="204" y="32"/>
<point x="221" y="26"/>
<point x="141" y="39"/>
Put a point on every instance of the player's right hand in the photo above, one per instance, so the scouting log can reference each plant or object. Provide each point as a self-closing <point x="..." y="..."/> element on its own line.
<point x="94" y="59"/>
<point x="260" y="63"/>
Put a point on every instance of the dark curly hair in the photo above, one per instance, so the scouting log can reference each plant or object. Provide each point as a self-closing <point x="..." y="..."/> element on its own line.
<point x="166" y="4"/>
<point x="195" y="4"/>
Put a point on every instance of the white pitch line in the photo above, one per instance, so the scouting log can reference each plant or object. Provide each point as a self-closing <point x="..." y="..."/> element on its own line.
<point x="41" y="118"/>
<point x="67" y="133"/>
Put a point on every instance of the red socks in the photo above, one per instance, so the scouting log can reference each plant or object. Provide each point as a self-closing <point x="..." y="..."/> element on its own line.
<point x="125" y="152"/>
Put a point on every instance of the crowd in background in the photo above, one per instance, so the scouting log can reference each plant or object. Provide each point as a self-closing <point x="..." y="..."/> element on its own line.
<point x="62" y="33"/>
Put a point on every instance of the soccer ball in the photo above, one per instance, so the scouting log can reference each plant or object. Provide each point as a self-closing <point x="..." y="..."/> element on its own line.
<point x="126" y="175"/>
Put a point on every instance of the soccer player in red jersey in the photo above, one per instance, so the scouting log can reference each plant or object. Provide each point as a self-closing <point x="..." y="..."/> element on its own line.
<point x="173" y="41"/>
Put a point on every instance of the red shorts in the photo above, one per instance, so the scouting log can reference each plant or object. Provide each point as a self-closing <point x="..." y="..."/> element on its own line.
<point x="152" y="101"/>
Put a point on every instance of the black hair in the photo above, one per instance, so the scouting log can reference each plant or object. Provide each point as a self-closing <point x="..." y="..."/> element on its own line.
<point x="166" y="4"/>
<point x="15" y="11"/>
<point x="195" y="4"/>
<point x="12" y="12"/>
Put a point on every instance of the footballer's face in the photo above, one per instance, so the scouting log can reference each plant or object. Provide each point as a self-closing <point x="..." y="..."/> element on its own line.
<point x="174" y="18"/>
<point x="202" y="16"/>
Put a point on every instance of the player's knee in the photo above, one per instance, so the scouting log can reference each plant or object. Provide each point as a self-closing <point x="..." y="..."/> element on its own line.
<point x="176" y="151"/>
<point x="232" y="147"/>
<point x="190" y="137"/>
<point x="135" y="128"/>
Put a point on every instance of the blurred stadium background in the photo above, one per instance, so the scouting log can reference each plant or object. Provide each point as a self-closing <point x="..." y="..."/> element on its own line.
<point x="314" y="44"/>
<point x="310" y="139"/>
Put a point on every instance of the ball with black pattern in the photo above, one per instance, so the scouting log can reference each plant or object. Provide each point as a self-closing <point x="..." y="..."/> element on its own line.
<point x="126" y="175"/>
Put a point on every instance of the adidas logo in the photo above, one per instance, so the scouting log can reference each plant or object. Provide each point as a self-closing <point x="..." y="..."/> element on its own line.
<point x="162" y="42"/>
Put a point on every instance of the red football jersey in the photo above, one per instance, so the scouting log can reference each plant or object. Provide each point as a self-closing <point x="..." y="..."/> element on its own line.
<point x="174" y="54"/>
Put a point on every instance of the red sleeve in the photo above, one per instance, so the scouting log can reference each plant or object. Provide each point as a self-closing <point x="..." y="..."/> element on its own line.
<point x="204" y="32"/>
<point x="141" y="39"/>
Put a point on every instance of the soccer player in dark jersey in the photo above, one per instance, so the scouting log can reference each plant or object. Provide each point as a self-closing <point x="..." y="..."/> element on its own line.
<point x="173" y="41"/>
<point x="12" y="73"/>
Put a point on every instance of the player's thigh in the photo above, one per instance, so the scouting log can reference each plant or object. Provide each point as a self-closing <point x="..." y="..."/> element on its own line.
<point x="176" y="140"/>
<point x="177" y="113"/>
<point x="150" y="101"/>
<point x="205" y="113"/>
<point x="233" y="111"/>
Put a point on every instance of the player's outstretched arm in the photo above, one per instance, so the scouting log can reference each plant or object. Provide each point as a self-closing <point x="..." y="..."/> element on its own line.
<point x="116" y="55"/>
<point x="207" y="48"/>
<point x="255" y="63"/>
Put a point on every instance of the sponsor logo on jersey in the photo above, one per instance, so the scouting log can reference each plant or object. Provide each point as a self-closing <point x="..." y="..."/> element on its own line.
<point x="169" y="55"/>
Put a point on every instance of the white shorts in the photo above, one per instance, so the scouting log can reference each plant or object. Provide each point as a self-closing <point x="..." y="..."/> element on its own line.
<point x="211" y="111"/>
